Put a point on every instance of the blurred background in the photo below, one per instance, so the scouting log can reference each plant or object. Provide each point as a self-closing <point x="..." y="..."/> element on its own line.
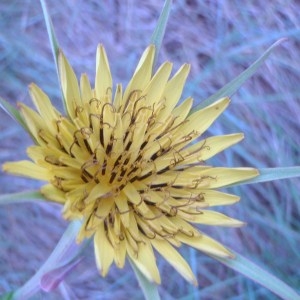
<point x="219" y="39"/>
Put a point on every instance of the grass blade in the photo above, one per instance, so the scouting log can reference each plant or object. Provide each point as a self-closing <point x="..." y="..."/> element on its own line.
<point x="12" y="112"/>
<point x="259" y="275"/>
<point x="21" y="197"/>
<point x="270" y="174"/>
<point x="230" y="88"/>
<point x="149" y="289"/>
<point x="53" y="42"/>
<point x="51" y="33"/>
<point x="160" y="28"/>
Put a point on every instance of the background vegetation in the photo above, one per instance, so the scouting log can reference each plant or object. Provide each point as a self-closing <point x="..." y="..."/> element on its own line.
<point x="219" y="39"/>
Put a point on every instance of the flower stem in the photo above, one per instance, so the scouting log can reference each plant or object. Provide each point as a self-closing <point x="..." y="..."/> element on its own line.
<point x="65" y="251"/>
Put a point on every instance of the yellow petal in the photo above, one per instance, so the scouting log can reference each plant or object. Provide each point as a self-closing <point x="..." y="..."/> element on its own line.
<point x="190" y="178"/>
<point x="78" y="194"/>
<point x="206" y="244"/>
<point x="132" y="194"/>
<point x="153" y="91"/>
<point x="69" y="85"/>
<point x="52" y="155"/>
<point x="120" y="254"/>
<point x="103" y="80"/>
<point x="154" y="144"/>
<point x="145" y="228"/>
<point x="209" y="217"/>
<point x="221" y="177"/>
<point x="37" y="153"/>
<point x="53" y="193"/>
<point x="133" y="229"/>
<point x="174" y="258"/>
<point x="86" y="231"/>
<point x="159" y="224"/>
<point x="131" y="244"/>
<point x="44" y="106"/>
<point x="62" y="172"/>
<point x="142" y="74"/>
<point x="86" y="95"/>
<point x="202" y="119"/>
<point x="49" y="157"/>
<point x="28" y="169"/>
<point x="207" y="148"/>
<point x="200" y="177"/>
<point x="111" y="234"/>
<point x="173" y="91"/>
<point x="65" y="136"/>
<point x="34" y="122"/>
<point x="181" y="111"/>
<point x="99" y="191"/>
<point x="145" y="261"/>
<point x="118" y="97"/>
<point x="85" y="88"/>
<point x="104" y="252"/>
<point x="185" y="227"/>
<point x="122" y="205"/>
<point x="205" y="196"/>
<point x="104" y="207"/>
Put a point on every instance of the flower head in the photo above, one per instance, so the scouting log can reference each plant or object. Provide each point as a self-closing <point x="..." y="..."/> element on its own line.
<point x="130" y="164"/>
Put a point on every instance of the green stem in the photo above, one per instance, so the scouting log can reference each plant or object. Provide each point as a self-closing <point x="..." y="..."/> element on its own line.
<point x="65" y="249"/>
<point x="149" y="288"/>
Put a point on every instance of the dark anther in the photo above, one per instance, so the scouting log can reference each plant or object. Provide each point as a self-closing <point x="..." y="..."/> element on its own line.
<point x="41" y="137"/>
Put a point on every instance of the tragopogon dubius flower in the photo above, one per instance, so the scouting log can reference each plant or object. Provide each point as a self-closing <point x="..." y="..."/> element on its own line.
<point x="129" y="165"/>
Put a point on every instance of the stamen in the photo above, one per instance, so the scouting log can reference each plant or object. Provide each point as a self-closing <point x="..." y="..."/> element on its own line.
<point x="198" y="181"/>
<point x="78" y="110"/>
<point x="127" y="101"/>
<point x="41" y="136"/>
<point x="51" y="159"/>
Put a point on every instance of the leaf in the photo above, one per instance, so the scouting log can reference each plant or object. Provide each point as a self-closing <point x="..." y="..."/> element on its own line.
<point x="66" y="249"/>
<point x="53" y="42"/>
<point x="149" y="288"/>
<point x="21" y="197"/>
<point x="159" y="31"/>
<point x="51" y="33"/>
<point x="259" y="275"/>
<point x="12" y="112"/>
<point x="230" y="88"/>
<point x="270" y="174"/>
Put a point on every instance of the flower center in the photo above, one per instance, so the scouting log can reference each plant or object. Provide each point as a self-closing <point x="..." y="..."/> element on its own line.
<point x="116" y="140"/>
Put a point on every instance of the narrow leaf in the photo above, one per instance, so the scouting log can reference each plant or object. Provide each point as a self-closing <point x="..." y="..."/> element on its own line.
<point x="160" y="28"/>
<point x="149" y="288"/>
<point x="53" y="42"/>
<point x="230" y="88"/>
<point x="51" y="33"/>
<point x="259" y="275"/>
<point x="21" y="197"/>
<point x="12" y="112"/>
<point x="270" y="174"/>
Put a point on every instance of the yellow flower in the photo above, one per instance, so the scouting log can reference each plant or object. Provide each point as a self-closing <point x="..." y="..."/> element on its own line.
<point x="126" y="165"/>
